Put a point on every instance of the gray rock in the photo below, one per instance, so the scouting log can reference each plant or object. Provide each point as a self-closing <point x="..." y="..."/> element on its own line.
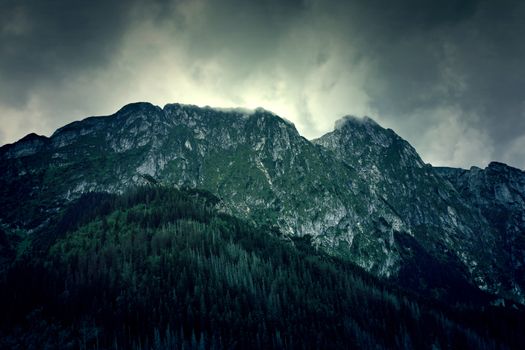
<point x="361" y="191"/>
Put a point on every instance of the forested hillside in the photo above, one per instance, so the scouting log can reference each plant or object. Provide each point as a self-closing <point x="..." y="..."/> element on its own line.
<point x="161" y="268"/>
<point x="361" y="192"/>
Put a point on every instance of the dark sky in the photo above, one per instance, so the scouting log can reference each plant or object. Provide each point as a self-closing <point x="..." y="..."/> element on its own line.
<point x="448" y="76"/>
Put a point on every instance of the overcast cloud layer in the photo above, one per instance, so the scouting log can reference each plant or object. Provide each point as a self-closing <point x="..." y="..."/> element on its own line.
<point x="448" y="76"/>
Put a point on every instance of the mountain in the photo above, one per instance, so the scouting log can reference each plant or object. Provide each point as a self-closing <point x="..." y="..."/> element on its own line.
<point x="160" y="268"/>
<point x="439" y="221"/>
<point x="360" y="192"/>
<point x="498" y="193"/>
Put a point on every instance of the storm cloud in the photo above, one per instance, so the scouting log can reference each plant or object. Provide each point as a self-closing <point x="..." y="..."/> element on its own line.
<point x="448" y="76"/>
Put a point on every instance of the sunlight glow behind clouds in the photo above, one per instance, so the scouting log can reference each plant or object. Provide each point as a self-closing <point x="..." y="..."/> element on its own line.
<point x="435" y="75"/>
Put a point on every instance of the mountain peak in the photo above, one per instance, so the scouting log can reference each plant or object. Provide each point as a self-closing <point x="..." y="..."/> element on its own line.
<point x="354" y="121"/>
<point x="354" y="194"/>
<point x="28" y="145"/>
<point x="137" y="107"/>
<point x="502" y="167"/>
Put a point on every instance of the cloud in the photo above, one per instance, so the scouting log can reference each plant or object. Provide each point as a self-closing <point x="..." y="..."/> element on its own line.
<point x="449" y="140"/>
<point x="515" y="154"/>
<point x="470" y="63"/>
<point x="46" y="42"/>
<point x="446" y="76"/>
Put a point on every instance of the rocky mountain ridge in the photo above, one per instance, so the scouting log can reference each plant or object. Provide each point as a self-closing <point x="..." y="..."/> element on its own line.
<point x="360" y="192"/>
<point x="498" y="193"/>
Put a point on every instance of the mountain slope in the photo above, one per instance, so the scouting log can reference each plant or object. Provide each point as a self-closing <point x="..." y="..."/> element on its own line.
<point x="159" y="268"/>
<point x="498" y="192"/>
<point x="361" y="192"/>
<point x="258" y="164"/>
<point x="441" y="221"/>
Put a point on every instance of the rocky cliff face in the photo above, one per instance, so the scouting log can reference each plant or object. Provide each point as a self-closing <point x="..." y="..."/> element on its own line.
<point x="440" y="222"/>
<point x="498" y="193"/>
<point x="361" y="191"/>
<point x="257" y="163"/>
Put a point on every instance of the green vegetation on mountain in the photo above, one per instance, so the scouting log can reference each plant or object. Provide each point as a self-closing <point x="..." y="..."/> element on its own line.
<point x="248" y="235"/>
<point x="160" y="268"/>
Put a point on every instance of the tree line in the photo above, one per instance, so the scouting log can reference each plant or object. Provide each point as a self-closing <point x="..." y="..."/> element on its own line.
<point x="160" y="268"/>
